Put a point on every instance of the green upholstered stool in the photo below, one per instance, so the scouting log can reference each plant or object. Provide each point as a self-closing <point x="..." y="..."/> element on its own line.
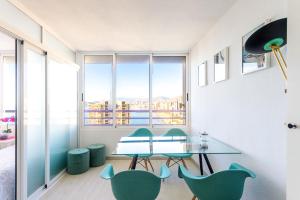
<point x="97" y="154"/>
<point x="78" y="161"/>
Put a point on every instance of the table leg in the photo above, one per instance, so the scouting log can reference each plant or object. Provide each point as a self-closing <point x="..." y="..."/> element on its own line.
<point x="201" y="164"/>
<point x="134" y="161"/>
<point x="208" y="164"/>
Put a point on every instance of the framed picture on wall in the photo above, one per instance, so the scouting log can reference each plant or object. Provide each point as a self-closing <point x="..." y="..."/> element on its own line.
<point x="202" y="74"/>
<point x="221" y="65"/>
<point x="253" y="62"/>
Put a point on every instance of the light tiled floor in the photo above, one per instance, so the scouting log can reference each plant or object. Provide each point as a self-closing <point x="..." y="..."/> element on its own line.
<point x="89" y="186"/>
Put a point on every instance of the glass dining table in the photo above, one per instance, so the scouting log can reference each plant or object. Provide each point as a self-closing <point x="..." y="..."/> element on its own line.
<point x="158" y="145"/>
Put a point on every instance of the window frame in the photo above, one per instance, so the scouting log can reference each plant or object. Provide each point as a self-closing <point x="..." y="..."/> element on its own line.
<point x="82" y="90"/>
<point x="81" y="94"/>
<point x="2" y="55"/>
<point x="115" y="90"/>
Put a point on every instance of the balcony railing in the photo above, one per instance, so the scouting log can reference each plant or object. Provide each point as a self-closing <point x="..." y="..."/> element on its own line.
<point x="134" y="117"/>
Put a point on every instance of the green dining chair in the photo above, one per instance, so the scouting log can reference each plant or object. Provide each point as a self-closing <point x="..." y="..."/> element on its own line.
<point x="223" y="185"/>
<point x="176" y="158"/>
<point x="135" y="184"/>
<point x="143" y="159"/>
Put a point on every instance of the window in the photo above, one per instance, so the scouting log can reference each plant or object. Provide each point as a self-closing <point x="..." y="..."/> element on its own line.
<point x="9" y="85"/>
<point x="168" y="99"/>
<point x="134" y="90"/>
<point x="98" y="107"/>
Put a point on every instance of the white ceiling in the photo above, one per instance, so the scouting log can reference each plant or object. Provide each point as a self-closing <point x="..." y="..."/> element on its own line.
<point x="129" y="25"/>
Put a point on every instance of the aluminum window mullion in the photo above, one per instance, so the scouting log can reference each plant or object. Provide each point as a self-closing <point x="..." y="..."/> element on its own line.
<point x="188" y="89"/>
<point x="47" y="135"/>
<point x="20" y="153"/>
<point x="186" y="96"/>
<point x="81" y="95"/>
<point x="150" y="91"/>
<point x="114" y="90"/>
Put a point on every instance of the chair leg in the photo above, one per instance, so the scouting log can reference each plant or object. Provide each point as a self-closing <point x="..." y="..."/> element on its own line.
<point x="168" y="162"/>
<point x="146" y="163"/>
<point x="130" y="165"/>
<point x="184" y="164"/>
<point x="171" y="159"/>
<point x="150" y="164"/>
<point x="194" y="198"/>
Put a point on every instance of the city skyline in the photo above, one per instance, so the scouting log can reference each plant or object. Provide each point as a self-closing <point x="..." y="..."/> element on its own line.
<point x="170" y="111"/>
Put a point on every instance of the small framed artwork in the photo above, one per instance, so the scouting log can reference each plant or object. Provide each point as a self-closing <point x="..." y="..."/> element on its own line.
<point x="221" y="65"/>
<point x="202" y="74"/>
<point x="253" y="62"/>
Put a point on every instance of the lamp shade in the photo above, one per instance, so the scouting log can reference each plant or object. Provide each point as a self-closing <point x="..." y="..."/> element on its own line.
<point x="272" y="34"/>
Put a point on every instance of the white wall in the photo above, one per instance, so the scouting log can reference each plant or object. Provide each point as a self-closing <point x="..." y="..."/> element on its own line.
<point x="247" y="111"/>
<point x="293" y="158"/>
<point x="22" y="24"/>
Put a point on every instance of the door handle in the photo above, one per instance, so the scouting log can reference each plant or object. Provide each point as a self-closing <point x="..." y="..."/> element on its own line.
<point x="292" y="126"/>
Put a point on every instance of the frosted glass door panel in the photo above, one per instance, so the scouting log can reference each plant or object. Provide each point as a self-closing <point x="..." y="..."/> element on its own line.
<point x="62" y="114"/>
<point x="34" y="119"/>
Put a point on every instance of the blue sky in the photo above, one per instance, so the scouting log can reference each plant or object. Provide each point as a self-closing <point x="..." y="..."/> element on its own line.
<point x="132" y="81"/>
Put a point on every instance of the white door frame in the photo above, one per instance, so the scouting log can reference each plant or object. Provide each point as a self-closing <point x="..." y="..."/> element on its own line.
<point x="20" y="137"/>
<point x="38" y="192"/>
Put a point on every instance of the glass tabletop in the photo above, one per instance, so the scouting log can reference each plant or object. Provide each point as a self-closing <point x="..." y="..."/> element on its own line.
<point x="172" y="145"/>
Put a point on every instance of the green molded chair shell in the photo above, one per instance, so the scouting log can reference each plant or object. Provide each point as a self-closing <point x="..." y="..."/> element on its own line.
<point x="177" y="132"/>
<point x="141" y="132"/>
<point x="144" y="158"/>
<point x="135" y="184"/>
<point x="224" y="185"/>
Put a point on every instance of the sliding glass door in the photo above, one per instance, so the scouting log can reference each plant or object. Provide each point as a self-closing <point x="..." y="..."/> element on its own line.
<point x="48" y="113"/>
<point x="50" y="117"/>
<point x="34" y="117"/>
